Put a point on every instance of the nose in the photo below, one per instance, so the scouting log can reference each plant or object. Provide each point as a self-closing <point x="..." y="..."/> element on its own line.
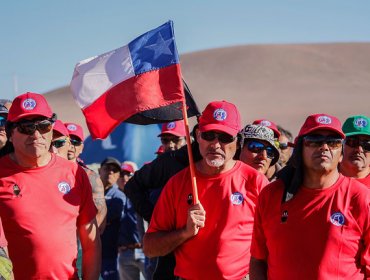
<point x="324" y="146"/>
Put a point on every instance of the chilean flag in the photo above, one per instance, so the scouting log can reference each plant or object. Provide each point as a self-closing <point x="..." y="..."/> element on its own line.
<point x="121" y="84"/>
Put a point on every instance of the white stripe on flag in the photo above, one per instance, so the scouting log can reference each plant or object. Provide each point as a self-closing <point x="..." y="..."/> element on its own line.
<point x="94" y="76"/>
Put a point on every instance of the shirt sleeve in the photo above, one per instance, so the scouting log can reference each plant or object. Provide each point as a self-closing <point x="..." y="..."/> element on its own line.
<point x="87" y="208"/>
<point x="163" y="218"/>
<point x="258" y="247"/>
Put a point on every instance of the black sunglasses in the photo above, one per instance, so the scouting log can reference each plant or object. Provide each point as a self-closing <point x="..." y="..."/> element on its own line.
<point x="29" y="127"/>
<point x="59" y="143"/>
<point x="221" y="137"/>
<point x="75" y="142"/>
<point x="316" y="141"/>
<point x="257" y="147"/>
<point x="174" y="139"/>
<point x="355" y="142"/>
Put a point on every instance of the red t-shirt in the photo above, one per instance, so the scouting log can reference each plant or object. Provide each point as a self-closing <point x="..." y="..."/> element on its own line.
<point x="220" y="250"/>
<point x="365" y="181"/>
<point x="40" y="209"/>
<point x="318" y="234"/>
<point x="3" y="242"/>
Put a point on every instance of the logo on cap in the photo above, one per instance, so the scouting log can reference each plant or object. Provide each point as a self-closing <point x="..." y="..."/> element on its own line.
<point x="360" y="122"/>
<point x="324" y="120"/>
<point x="220" y="114"/>
<point x="29" y="104"/>
<point x="337" y="219"/>
<point x="171" y="125"/>
<point x="72" y="127"/>
<point x="64" y="187"/>
<point x="265" y="123"/>
<point x="236" y="198"/>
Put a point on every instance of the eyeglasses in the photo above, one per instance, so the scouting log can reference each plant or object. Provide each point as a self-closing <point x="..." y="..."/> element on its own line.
<point x="221" y="137"/>
<point x="75" y="142"/>
<point x="316" y="141"/>
<point x="59" y="143"/>
<point x="174" y="139"/>
<point x="29" y="127"/>
<point x="355" y="142"/>
<point x="258" y="147"/>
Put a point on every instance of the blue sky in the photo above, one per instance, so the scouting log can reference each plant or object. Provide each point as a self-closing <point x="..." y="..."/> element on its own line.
<point x="41" y="41"/>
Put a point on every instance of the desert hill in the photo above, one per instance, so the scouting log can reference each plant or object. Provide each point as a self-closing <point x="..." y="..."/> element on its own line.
<point x="283" y="83"/>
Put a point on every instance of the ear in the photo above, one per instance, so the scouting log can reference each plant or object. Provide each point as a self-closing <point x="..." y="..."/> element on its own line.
<point x="197" y="132"/>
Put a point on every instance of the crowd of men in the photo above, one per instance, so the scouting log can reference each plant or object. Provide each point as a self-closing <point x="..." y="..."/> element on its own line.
<point x="267" y="206"/>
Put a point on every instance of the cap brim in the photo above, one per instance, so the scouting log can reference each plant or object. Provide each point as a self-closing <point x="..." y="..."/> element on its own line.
<point x="218" y="127"/>
<point x="172" y="133"/>
<point x="21" y="116"/>
<point x="357" y="133"/>
<point x="326" y="128"/>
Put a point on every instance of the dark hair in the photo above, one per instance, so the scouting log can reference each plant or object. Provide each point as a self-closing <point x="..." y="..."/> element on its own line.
<point x="292" y="173"/>
<point x="285" y="132"/>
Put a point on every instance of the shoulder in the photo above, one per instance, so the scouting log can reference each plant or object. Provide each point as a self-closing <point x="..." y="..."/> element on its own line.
<point x="273" y="190"/>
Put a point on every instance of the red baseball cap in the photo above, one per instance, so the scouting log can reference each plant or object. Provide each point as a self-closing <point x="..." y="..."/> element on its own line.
<point x="75" y="130"/>
<point x="175" y="128"/>
<point x="29" y="104"/>
<point x="321" y="121"/>
<point x="222" y="116"/>
<point x="59" y="127"/>
<point x="127" y="167"/>
<point x="270" y="125"/>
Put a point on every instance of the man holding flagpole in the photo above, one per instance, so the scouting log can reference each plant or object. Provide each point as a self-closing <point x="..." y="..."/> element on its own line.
<point x="211" y="239"/>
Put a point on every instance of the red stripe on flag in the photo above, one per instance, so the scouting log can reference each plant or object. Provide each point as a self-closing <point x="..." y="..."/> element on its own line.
<point x="143" y="92"/>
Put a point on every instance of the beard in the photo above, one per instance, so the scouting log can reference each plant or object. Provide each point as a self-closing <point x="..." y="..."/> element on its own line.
<point x="215" y="162"/>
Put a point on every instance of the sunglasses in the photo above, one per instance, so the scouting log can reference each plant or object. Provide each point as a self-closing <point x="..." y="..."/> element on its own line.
<point x="59" y="143"/>
<point x="221" y="137"/>
<point x="123" y="173"/>
<point x="355" y="142"/>
<point x="2" y="121"/>
<point x="29" y="127"/>
<point x="174" y="139"/>
<point x="75" y="142"/>
<point x="316" y="141"/>
<point x="258" y="147"/>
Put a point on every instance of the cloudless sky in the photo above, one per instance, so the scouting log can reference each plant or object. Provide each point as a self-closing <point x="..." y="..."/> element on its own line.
<point x="41" y="41"/>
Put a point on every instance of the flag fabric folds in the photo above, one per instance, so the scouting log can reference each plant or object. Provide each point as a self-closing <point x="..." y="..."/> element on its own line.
<point x="137" y="78"/>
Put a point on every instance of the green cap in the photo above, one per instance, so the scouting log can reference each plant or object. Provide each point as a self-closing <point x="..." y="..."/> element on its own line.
<point x="357" y="125"/>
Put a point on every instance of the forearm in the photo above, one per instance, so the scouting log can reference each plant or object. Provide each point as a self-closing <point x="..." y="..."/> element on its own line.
<point x="91" y="251"/>
<point x="102" y="213"/>
<point x="162" y="243"/>
<point x="258" y="269"/>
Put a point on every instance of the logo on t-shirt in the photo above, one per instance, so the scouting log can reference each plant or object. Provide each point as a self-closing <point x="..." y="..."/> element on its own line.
<point x="190" y="199"/>
<point x="236" y="198"/>
<point x="284" y="216"/>
<point x="64" y="187"/>
<point x="337" y="219"/>
<point x="16" y="190"/>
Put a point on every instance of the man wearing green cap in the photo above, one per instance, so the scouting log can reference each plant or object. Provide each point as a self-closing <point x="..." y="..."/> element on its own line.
<point x="356" y="151"/>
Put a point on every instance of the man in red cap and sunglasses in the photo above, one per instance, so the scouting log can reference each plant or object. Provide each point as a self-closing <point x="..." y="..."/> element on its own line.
<point x="211" y="239"/>
<point x="313" y="223"/>
<point x="173" y="135"/>
<point x="44" y="200"/>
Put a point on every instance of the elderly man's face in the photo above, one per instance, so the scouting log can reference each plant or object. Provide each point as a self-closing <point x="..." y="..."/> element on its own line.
<point x="172" y="142"/>
<point x="258" y="154"/>
<point x="322" y="151"/>
<point x="60" y="145"/>
<point x="31" y="138"/>
<point x="217" y="148"/>
<point x="75" y="148"/>
<point x="356" y="154"/>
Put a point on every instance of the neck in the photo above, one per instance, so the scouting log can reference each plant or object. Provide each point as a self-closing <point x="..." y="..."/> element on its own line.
<point x="313" y="180"/>
<point x="354" y="172"/>
<point x="31" y="162"/>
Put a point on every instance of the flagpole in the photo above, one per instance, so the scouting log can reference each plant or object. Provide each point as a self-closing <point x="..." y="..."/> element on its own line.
<point x="190" y="154"/>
